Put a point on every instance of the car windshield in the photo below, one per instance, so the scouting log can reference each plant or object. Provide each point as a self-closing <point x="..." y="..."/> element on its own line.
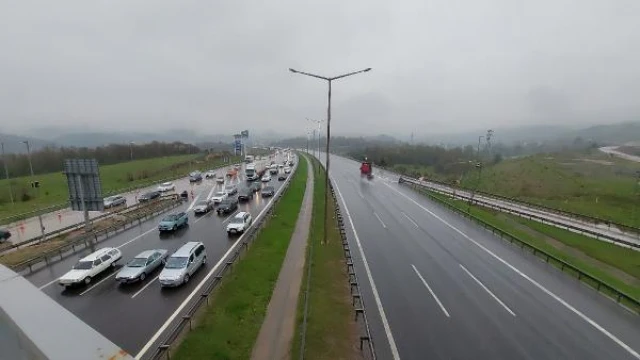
<point x="83" y="265"/>
<point x="202" y="203"/>
<point x="220" y="193"/>
<point x="176" y="263"/>
<point x="137" y="262"/>
<point x="170" y="218"/>
<point x="237" y="220"/>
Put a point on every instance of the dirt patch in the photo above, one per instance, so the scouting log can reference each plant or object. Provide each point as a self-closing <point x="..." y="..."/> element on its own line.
<point x="601" y="162"/>
<point x="623" y="276"/>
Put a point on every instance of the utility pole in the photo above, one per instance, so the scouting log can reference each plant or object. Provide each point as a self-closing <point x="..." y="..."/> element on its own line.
<point x="329" y="80"/>
<point x="6" y="172"/>
<point x="36" y="185"/>
<point x="131" y="150"/>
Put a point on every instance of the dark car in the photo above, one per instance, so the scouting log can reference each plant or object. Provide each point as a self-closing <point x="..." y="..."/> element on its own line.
<point x="227" y="206"/>
<point x="255" y="187"/>
<point x="282" y="177"/>
<point x="149" y="196"/>
<point x="4" y="235"/>
<point x="195" y="176"/>
<point x="245" y="194"/>
<point x="290" y="163"/>
<point x="231" y="190"/>
<point x="268" y="191"/>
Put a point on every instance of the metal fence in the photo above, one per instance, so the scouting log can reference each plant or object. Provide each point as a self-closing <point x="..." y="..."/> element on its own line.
<point x="186" y="322"/>
<point x="94" y="237"/>
<point x="599" y="285"/>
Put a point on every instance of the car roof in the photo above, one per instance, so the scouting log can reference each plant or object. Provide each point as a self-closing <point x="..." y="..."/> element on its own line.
<point x="96" y="254"/>
<point x="185" y="249"/>
<point x="167" y="183"/>
<point x="240" y="214"/>
<point x="147" y="253"/>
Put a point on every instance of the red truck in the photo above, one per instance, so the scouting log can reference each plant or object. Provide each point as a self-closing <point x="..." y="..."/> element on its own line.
<point x="366" y="169"/>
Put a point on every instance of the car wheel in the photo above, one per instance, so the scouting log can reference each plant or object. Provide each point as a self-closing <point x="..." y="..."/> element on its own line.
<point x="113" y="264"/>
<point x="204" y="260"/>
<point x="186" y="279"/>
<point x="175" y="227"/>
<point x="87" y="280"/>
<point x="143" y="276"/>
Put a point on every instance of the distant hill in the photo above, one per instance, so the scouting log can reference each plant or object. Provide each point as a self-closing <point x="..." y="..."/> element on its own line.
<point x="14" y="144"/>
<point x="615" y="134"/>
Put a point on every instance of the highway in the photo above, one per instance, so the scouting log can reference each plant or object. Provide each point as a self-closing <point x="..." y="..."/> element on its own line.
<point x="29" y="228"/>
<point x="437" y="286"/>
<point x="130" y="315"/>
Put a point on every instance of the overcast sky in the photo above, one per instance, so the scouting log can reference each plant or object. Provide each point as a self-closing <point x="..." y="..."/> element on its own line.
<point x="221" y="66"/>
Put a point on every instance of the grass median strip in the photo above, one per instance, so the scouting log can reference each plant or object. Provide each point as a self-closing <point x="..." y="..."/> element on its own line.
<point x="616" y="266"/>
<point x="229" y="327"/>
<point x="331" y="331"/>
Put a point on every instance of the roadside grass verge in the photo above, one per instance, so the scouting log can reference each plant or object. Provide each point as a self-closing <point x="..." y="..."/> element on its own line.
<point x="331" y="331"/>
<point x="116" y="177"/>
<point x="228" y="328"/>
<point x="17" y="256"/>
<point x="614" y="265"/>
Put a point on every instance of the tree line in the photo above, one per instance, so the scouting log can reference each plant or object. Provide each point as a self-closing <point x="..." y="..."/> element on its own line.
<point x="50" y="159"/>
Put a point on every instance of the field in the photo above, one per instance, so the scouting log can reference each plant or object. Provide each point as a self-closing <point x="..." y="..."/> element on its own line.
<point x="229" y="327"/>
<point x="115" y="178"/>
<point x="592" y="183"/>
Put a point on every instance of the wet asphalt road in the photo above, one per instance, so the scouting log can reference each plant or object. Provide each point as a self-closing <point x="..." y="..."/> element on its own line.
<point x="449" y="289"/>
<point x="129" y="315"/>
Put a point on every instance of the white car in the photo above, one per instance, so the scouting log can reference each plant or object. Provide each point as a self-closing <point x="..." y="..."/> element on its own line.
<point x="266" y="178"/>
<point x="239" y="223"/>
<point x="219" y="196"/>
<point x="168" y="186"/>
<point x="287" y="170"/>
<point x="90" y="266"/>
<point x="220" y="180"/>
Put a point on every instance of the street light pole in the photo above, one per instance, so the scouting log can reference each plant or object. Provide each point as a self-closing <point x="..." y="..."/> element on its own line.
<point x="6" y="172"/>
<point x="131" y="150"/>
<point x="327" y="160"/>
<point x="34" y="185"/>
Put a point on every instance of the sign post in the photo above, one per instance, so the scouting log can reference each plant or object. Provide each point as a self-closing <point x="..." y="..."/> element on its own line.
<point x="85" y="187"/>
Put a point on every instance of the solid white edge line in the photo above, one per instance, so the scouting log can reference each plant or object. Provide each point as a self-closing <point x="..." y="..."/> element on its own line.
<point x="487" y="290"/>
<point x="535" y="283"/>
<point x="98" y="283"/>
<point x="173" y="316"/>
<point x="431" y="291"/>
<point x="376" y="215"/>
<point x="410" y="219"/>
<point x="374" y="289"/>
<point x="146" y="286"/>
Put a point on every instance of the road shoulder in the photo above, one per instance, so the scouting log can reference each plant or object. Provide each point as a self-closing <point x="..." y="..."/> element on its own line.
<point x="276" y="334"/>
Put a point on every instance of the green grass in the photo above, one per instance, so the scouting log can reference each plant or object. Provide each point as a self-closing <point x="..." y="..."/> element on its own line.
<point x="623" y="259"/>
<point x="116" y="177"/>
<point x="331" y="331"/>
<point x="229" y="327"/>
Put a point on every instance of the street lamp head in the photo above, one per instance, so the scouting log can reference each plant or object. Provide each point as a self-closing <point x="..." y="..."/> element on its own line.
<point x="367" y="69"/>
<point x="293" y="70"/>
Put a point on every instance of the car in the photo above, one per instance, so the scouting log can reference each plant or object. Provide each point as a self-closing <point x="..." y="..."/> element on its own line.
<point x="240" y="223"/>
<point x="227" y="206"/>
<point x="113" y="201"/>
<point x="273" y="169"/>
<point x="282" y="177"/>
<point x="281" y="166"/>
<point x="268" y="191"/>
<point x="245" y="194"/>
<point x="167" y="186"/>
<point x="237" y="166"/>
<point x="149" y="196"/>
<point x="211" y="174"/>
<point x="195" y="176"/>
<point x="4" y="234"/>
<point x="231" y="189"/>
<point x="255" y="187"/>
<point x="291" y="163"/>
<point x="266" y="178"/>
<point x="173" y="221"/>
<point x="182" y="264"/>
<point x="203" y="206"/>
<point x="219" y="196"/>
<point x="220" y="180"/>
<point x="141" y="265"/>
<point x="287" y="170"/>
<point x="90" y="266"/>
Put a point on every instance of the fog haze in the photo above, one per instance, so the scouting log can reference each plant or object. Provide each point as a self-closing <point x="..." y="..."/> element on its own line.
<point x="219" y="67"/>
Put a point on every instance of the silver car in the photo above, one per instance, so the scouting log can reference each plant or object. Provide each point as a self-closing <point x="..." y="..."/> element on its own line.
<point x="182" y="264"/>
<point x="141" y="265"/>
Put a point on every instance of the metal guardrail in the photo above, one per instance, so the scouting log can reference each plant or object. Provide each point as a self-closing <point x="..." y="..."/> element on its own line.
<point x="94" y="237"/>
<point x="29" y="214"/>
<point x="578" y="216"/>
<point x="599" y="285"/>
<point x="538" y="218"/>
<point x="185" y="324"/>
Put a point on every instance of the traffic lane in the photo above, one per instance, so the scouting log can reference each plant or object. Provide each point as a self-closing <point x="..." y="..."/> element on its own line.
<point x="525" y="297"/>
<point x="413" y="312"/>
<point x="146" y="312"/>
<point x="541" y="323"/>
